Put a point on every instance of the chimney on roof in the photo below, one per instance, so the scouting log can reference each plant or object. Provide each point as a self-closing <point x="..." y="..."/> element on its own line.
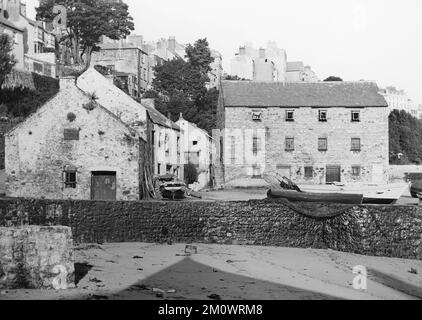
<point x="172" y="43"/>
<point x="169" y="115"/>
<point x="181" y="116"/>
<point x="242" y="51"/>
<point x="262" y="53"/>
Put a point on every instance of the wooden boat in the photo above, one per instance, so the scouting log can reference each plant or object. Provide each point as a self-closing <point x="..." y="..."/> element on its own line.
<point x="173" y="190"/>
<point x="372" y="193"/>
<point x="296" y="196"/>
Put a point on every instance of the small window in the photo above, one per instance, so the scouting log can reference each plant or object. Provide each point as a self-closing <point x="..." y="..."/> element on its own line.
<point x="232" y="150"/>
<point x="158" y="168"/>
<point x="70" y="179"/>
<point x="71" y="134"/>
<point x="290" y="115"/>
<point x="194" y="142"/>
<point x="355" y="144"/>
<point x="355" y="116"/>
<point x="289" y="144"/>
<point x="322" y="115"/>
<point x="322" y="144"/>
<point x="356" y="171"/>
<point x="309" y="172"/>
<point x="255" y="145"/>
<point x="256" y="116"/>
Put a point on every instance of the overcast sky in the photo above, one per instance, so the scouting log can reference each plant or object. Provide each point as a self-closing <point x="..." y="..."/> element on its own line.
<point x="377" y="40"/>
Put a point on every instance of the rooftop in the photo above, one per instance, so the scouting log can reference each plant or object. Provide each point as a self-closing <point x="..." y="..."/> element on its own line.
<point x="301" y="94"/>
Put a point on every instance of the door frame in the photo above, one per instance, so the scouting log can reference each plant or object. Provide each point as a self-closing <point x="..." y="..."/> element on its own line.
<point x="103" y="173"/>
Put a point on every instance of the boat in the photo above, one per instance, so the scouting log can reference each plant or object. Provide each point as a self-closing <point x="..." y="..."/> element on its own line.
<point x="372" y="193"/>
<point x="173" y="190"/>
<point x="296" y="196"/>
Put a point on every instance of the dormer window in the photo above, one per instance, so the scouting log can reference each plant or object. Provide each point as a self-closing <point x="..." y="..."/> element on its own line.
<point x="322" y="115"/>
<point x="290" y="115"/>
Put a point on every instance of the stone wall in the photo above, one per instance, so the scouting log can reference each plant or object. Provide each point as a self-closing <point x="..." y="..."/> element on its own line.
<point x="272" y="131"/>
<point x="36" y="257"/>
<point x="393" y="231"/>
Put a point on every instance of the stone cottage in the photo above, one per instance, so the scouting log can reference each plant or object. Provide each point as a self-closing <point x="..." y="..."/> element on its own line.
<point x="314" y="133"/>
<point x="73" y="147"/>
<point x="163" y="136"/>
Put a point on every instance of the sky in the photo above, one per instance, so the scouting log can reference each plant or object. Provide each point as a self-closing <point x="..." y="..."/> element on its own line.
<point x="379" y="40"/>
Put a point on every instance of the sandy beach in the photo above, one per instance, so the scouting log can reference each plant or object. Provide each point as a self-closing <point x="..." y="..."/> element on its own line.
<point x="163" y="271"/>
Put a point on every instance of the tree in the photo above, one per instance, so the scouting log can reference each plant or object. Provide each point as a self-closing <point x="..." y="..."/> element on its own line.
<point x="7" y="60"/>
<point x="180" y="87"/>
<point x="333" y="78"/>
<point x="87" y="21"/>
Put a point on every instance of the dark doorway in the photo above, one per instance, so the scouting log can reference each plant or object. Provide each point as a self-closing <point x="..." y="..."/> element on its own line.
<point x="103" y="185"/>
<point x="333" y="174"/>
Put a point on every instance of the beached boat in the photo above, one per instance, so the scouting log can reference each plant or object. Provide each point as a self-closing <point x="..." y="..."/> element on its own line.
<point x="372" y="193"/>
<point x="295" y="196"/>
<point x="173" y="190"/>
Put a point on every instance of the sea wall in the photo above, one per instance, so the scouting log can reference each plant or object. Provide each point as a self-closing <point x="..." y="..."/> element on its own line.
<point x="393" y="231"/>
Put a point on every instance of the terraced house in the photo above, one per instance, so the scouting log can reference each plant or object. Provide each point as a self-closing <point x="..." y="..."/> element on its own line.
<point x="317" y="133"/>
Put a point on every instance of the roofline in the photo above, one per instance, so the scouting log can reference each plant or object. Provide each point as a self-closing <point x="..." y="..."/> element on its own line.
<point x="11" y="24"/>
<point x="310" y="106"/>
<point x="123" y="48"/>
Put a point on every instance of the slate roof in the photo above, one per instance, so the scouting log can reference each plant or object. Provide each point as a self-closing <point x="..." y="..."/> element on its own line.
<point x="301" y="94"/>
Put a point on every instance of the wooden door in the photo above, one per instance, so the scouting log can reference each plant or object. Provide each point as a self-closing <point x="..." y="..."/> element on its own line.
<point x="103" y="185"/>
<point x="333" y="174"/>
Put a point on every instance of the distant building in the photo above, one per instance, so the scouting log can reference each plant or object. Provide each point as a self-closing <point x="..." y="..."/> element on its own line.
<point x="16" y="35"/>
<point x="198" y="147"/>
<point x="315" y="133"/>
<point x="38" y="42"/>
<point x="399" y="100"/>
<point x="127" y="61"/>
<point x="216" y="70"/>
<point x="269" y="64"/>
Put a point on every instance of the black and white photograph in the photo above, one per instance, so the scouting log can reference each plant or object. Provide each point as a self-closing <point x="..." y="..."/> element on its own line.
<point x="231" y="152"/>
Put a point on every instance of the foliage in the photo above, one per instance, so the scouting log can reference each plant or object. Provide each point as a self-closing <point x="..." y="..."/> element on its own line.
<point x="333" y="78"/>
<point x="405" y="138"/>
<point x="21" y="101"/>
<point x="230" y="77"/>
<point x="191" y="174"/>
<point x="180" y="87"/>
<point x="7" y="60"/>
<point x="87" y="21"/>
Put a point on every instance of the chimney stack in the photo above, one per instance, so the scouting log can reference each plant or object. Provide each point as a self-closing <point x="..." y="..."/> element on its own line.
<point x="242" y="51"/>
<point x="262" y="53"/>
<point x="172" y="43"/>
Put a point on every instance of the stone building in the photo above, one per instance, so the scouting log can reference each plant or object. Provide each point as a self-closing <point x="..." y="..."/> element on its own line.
<point x="162" y="135"/>
<point x="73" y="147"/>
<point x="314" y="133"/>
<point x="125" y="60"/>
<point x="263" y="68"/>
<point x="216" y="70"/>
<point x="399" y="100"/>
<point x="198" y="148"/>
<point x="16" y="34"/>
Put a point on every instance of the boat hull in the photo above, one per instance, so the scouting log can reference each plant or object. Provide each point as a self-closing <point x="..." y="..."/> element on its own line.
<point x="295" y="196"/>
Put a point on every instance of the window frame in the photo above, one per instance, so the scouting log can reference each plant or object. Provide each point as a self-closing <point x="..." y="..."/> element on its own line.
<point x="68" y="182"/>
<point x="288" y="146"/>
<point x="352" y="148"/>
<point x="319" y="115"/>
<point x="288" y="119"/>
<point x="306" y="170"/>
<point x="326" y="144"/>
<point x="352" y="118"/>
<point x="358" y="171"/>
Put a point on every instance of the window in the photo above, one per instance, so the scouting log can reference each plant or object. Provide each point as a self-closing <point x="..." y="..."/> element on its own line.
<point x="256" y="172"/>
<point x="71" y="134"/>
<point x="70" y="179"/>
<point x="153" y="137"/>
<point x="322" y="115"/>
<point x="322" y="144"/>
<point x="194" y="142"/>
<point x="356" y="171"/>
<point x="158" y="168"/>
<point x="256" y="116"/>
<point x="355" y="144"/>
<point x="232" y="150"/>
<point x="290" y="115"/>
<point x="289" y="144"/>
<point x="255" y="145"/>
<point x="309" y="172"/>
<point x="355" y="116"/>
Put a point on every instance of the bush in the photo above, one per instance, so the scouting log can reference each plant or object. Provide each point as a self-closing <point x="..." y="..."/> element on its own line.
<point x="191" y="174"/>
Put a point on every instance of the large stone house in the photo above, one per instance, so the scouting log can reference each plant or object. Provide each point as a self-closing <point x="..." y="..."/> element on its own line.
<point x="314" y="133"/>
<point x="73" y="147"/>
